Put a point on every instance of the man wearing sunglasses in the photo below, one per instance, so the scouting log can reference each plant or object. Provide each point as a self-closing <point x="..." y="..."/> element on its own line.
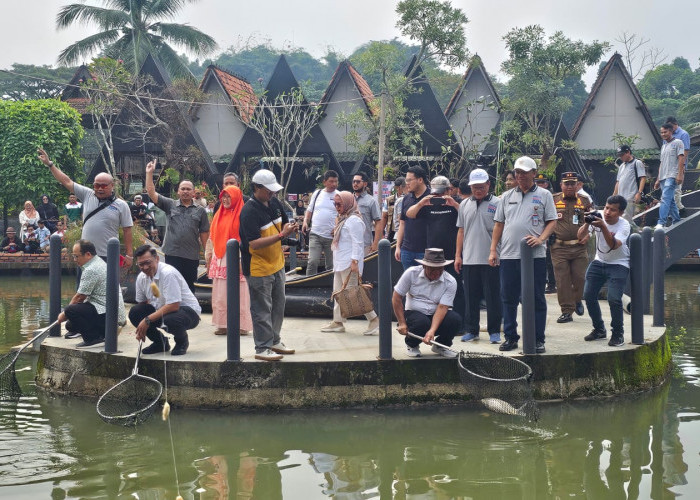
<point x="103" y="212"/>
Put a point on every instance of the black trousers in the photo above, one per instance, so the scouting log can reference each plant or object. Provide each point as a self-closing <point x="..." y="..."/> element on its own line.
<point x="460" y="303"/>
<point x="177" y="322"/>
<point x="483" y="281"/>
<point x="419" y="324"/>
<point x="186" y="267"/>
<point x="83" y="318"/>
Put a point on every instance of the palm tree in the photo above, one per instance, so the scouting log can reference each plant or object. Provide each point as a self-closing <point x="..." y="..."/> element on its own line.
<point x="130" y="29"/>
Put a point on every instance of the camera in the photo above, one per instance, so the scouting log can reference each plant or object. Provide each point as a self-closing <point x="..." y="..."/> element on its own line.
<point x="290" y="242"/>
<point x="437" y="201"/>
<point x="591" y="217"/>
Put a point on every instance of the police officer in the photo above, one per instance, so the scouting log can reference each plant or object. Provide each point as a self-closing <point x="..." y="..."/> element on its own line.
<point x="569" y="255"/>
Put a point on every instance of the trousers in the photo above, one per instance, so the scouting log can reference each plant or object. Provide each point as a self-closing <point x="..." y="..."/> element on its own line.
<point x="83" y="318"/>
<point x="482" y="281"/>
<point x="598" y="274"/>
<point x="419" y="324"/>
<point x="318" y="244"/>
<point x="267" y="300"/>
<point x="570" y="270"/>
<point x="510" y="297"/>
<point x="177" y="322"/>
<point x="186" y="267"/>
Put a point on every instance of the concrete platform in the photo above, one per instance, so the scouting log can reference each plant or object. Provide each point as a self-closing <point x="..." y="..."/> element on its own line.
<point x="342" y="369"/>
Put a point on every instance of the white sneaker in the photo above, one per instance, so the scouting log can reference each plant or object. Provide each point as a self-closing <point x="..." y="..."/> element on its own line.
<point x="280" y="348"/>
<point x="445" y="353"/>
<point x="372" y="327"/>
<point x="659" y="226"/>
<point x="413" y="352"/>
<point x="268" y="355"/>
<point x="334" y="327"/>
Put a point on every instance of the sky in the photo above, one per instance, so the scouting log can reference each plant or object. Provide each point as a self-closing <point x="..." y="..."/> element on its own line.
<point x="28" y="34"/>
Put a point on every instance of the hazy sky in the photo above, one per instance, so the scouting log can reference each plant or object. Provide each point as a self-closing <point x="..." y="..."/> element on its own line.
<point x="28" y="33"/>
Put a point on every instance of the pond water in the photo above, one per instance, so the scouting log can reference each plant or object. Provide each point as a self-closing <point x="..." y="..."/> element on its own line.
<point x="639" y="446"/>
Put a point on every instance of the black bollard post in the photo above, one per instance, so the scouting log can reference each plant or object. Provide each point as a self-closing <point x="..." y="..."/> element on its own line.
<point x="527" y="296"/>
<point x="647" y="252"/>
<point x="233" y="302"/>
<point x="384" y="293"/>
<point x="637" y="278"/>
<point x="54" y="283"/>
<point x="293" y="257"/>
<point x="112" y="315"/>
<point x="659" y="257"/>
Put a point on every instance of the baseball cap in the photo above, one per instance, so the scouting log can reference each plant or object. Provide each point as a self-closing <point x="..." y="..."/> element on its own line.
<point x="623" y="149"/>
<point x="267" y="179"/>
<point x="439" y="184"/>
<point x="478" y="176"/>
<point x="400" y="181"/>
<point x="525" y="163"/>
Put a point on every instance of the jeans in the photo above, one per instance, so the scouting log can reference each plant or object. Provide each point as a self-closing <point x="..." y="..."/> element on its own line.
<point x="317" y="244"/>
<point x="598" y="274"/>
<point x="482" y="280"/>
<point x="510" y="297"/>
<point x="408" y="259"/>
<point x="267" y="300"/>
<point x="178" y="322"/>
<point x="419" y="324"/>
<point x="668" y="202"/>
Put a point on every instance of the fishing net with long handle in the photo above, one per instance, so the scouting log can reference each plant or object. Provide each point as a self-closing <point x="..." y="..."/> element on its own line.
<point x="501" y="383"/>
<point x="133" y="400"/>
<point x="9" y="387"/>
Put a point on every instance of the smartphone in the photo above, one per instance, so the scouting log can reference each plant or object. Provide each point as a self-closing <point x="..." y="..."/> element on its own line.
<point x="437" y="201"/>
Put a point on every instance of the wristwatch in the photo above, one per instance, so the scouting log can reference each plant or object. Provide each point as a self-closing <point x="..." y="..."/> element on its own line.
<point x="147" y="320"/>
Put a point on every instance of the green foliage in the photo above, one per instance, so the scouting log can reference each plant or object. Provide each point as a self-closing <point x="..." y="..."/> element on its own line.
<point x="26" y="126"/>
<point x="27" y="81"/>
<point x="668" y="90"/>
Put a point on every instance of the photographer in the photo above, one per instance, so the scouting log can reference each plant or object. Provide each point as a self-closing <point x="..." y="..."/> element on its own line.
<point x="264" y="224"/>
<point x="610" y="266"/>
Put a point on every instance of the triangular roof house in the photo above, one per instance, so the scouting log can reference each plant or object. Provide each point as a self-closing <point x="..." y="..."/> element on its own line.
<point x="74" y="95"/>
<point x="474" y="111"/>
<point x="220" y="120"/>
<point x="347" y="91"/>
<point x="614" y="106"/>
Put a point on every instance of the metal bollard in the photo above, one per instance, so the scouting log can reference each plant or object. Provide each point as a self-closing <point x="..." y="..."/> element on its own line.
<point x="112" y="315"/>
<point x="293" y="257"/>
<point x="647" y="252"/>
<point x="637" y="278"/>
<point x="527" y="296"/>
<point x="233" y="301"/>
<point x="659" y="269"/>
<point x="54" y="282"/>
<point x="384" y="293"/>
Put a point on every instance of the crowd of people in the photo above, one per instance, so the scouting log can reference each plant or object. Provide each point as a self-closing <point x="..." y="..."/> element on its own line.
<point x="36" y="225"/>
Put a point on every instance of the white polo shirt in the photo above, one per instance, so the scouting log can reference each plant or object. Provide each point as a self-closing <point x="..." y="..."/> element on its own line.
<point x="172" y="286"/>
<point x="423" y="295"/>
<point x="476" y="220"/>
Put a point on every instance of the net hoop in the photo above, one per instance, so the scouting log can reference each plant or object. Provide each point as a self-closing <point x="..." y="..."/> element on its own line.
<point x="134" y="417"/>
<point x="520" y="365"/>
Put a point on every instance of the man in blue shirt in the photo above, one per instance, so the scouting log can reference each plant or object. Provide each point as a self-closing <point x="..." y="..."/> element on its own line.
<point x="679" y="133"/>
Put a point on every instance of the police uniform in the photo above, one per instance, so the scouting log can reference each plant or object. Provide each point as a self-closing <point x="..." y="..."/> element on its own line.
<point x="569" y="257"/>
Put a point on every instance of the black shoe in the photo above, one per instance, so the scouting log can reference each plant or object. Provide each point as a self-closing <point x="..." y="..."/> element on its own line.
<point x="90" y="343"/>
<point x="157" y="347"/>
<point x="508" y="345"/>
<point x="579" y="308"/>
<point x="565" y="318"/>
<point x="616" y="340"/>
<point x="540" y="348"/>
<point x="550" y="289"/>
<point x="73" y="335"/>
<point x="180" y="348"/>
<point x="595" y="335"/>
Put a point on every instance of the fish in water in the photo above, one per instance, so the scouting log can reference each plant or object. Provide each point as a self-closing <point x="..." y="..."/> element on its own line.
<point x="500" y="406"/>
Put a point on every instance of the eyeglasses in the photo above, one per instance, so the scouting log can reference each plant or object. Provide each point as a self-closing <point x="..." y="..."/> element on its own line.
<point x="478" y="188"/>
<point x="355" y="181"/>
<point x="99" y="185"/>
<point x="145" y="263"/>
<point x="338" y="205"/>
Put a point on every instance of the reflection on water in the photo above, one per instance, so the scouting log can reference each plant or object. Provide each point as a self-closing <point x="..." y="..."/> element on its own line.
<point x="640" y="446"/>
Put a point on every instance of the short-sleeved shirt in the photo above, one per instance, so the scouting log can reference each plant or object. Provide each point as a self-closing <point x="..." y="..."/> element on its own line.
<point x="442" y="228"/>
<point x="93" y="284"/>
<point x="619" y="256"/>
<point x="670" y="151"/>
<point x="173" y="288"/>
<point x="423" y="295"/>
<point x="74" y="210"/>
<point x="570" y="216"/>
<point x="260" y="221"/>
<point x="524" y="214"/>
<point x="104" y="224"/>
<point x="369" y="210"/>
<point x="627" y="175"/>
<point x="185" y="224"/>
<point x="476" y="220"/>
<point x="684" y="137"/>
<point x="322" y="208"/>
<point x="397" y="214"/>
<point x="415" y="230"/>
<point x="43" y="234"/>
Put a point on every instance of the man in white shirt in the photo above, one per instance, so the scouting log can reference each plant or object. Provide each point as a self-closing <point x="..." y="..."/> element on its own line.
<point x="321" y="213"/>
<point x="163" y="298"/>
<point x="631" y="178"/>
<point x="429" y="293"/>
<point x="610" y="266"/>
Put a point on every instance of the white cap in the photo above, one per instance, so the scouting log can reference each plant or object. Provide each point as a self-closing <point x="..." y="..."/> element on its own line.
<point x="478" y="176"/>
<point x="525" y="163"/>
<point x="267" y="179"/>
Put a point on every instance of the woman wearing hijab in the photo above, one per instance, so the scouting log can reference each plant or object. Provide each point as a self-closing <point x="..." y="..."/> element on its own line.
<point x="225" y="226"/>
<point x="49" y="212"/>
<point x="28" y="216"/>
<point x="348" y="257"/>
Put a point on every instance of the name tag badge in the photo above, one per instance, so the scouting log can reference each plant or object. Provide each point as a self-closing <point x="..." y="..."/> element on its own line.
<point x="575" y="221"/>
<point x="535" y="219"/>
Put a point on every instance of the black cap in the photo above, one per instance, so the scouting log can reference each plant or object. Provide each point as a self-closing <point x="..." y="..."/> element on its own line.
<point x="623" y="149"/>
<point x="569" y="176"/>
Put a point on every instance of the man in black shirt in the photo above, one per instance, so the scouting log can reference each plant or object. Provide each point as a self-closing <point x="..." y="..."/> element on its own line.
<point x="411" y="240"/>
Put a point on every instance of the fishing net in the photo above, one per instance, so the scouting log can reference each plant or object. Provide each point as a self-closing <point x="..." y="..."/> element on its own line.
<point x="501" y="383"/>
<point x="131" y="402"/>
<point x="9" y="387"/>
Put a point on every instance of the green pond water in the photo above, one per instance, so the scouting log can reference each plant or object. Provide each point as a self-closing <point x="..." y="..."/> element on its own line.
<point x="637" y="446"/>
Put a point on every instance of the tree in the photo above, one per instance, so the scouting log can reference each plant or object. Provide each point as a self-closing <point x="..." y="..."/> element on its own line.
<point x="26" y="126"/>
<point x="538" y="68"/>
<point x="638" y="57"/>
<point x="26" y="82"/>
<point x="130" y="30"/>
